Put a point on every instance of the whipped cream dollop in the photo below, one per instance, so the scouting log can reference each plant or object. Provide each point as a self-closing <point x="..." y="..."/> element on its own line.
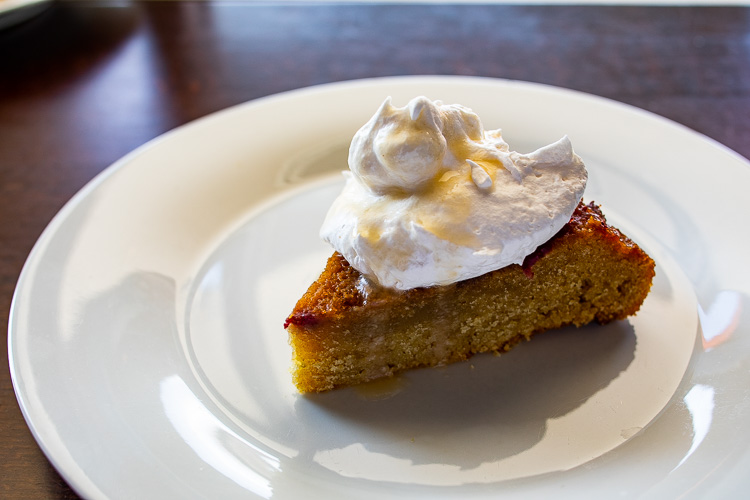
<point x="432" y="198"/>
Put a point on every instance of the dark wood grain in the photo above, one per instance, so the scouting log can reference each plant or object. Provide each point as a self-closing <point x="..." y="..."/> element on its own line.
<point x="84" y="83"/>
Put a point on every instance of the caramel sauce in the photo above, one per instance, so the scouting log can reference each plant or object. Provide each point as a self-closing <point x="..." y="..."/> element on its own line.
<point x="379" y="389"/>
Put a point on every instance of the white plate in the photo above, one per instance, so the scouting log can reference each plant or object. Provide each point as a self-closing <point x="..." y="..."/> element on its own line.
<point x="148" y="355"/>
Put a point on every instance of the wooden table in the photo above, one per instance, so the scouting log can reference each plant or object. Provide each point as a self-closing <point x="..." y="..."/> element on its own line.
<point x="84" y="83"/>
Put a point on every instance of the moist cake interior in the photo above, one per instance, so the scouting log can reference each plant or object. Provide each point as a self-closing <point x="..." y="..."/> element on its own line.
<point x="346" y="331"/>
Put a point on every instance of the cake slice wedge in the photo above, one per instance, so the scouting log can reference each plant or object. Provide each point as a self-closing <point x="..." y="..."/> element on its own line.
<point x="346" y="330"/>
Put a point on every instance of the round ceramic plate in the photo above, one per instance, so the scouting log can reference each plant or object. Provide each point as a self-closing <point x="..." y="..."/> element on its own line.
<point x="149" y="357"/>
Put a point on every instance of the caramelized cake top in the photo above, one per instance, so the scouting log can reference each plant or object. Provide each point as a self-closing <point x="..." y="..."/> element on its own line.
<point x="340" y="288"/>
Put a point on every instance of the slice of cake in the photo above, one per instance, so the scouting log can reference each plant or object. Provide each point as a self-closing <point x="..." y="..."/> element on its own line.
<point x="450" y="244"/>
<point x="346" y="330"/>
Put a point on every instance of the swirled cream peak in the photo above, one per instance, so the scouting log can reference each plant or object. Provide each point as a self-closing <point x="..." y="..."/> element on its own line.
<point x="432" y="198"/>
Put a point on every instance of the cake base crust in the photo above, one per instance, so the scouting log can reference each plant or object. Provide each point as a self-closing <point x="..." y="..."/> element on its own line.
<point x="346" y="331"/>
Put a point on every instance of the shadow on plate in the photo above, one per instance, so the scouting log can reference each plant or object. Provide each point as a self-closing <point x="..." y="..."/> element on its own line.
<point x="487" y="408"/>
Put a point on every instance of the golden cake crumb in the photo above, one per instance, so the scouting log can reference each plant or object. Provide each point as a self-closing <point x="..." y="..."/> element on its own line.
<point x="346" y="331"/>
